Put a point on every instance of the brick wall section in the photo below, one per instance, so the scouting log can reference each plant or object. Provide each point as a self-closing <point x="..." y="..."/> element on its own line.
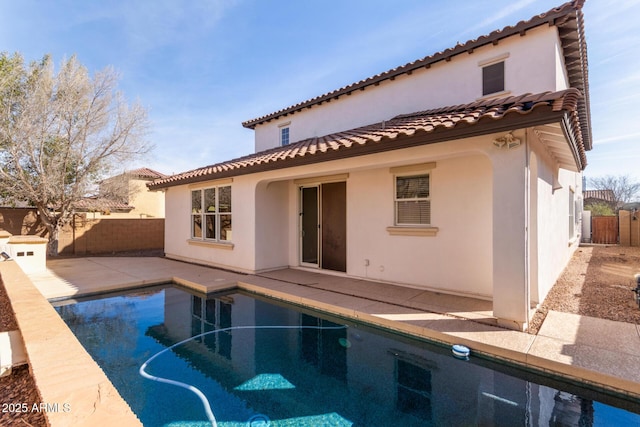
<point x="100" y="236"/>
<point x="90" y="236"/>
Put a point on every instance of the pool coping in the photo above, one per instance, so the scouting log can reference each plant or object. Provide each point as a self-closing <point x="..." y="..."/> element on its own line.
<point x="71" y="396"/>
<point x="93" y="399"/>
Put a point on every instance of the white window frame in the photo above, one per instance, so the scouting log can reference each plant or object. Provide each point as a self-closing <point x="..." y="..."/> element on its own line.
<point x="284" y="136"/>
<point x="396" y="200"/>
<point x="211" y="211"/>
<point x="487" y="63"/>
<point x="284" y="128"/>
<point x="422" y="230"/>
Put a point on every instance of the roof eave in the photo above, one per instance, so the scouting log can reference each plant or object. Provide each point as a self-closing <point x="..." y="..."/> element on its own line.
<point x="484" y="127"/>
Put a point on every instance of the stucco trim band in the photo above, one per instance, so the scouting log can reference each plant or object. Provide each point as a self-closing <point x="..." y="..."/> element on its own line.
<point x="413" y="231"/>
<point x="218" y="245"/>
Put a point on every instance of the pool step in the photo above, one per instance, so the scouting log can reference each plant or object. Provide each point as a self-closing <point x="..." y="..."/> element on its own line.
<point x="12" y="352"/>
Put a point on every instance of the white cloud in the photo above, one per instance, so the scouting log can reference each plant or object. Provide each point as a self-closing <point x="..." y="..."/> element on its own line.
<point x="501" y="14"/>
<point x="627" y="137"/>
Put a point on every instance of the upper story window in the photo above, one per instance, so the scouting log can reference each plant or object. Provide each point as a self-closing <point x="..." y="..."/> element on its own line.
<point x="211" y="213"/>
<point x="493" y="78"/>
<point x="284" y="135"/>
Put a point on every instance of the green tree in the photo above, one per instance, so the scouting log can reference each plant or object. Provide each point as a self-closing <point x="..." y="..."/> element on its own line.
<point x="60" y="132"/>
<point x="600" y="209"/>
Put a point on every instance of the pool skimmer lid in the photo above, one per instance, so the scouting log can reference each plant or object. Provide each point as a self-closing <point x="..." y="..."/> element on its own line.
<point x="259" y="420"/>
<point x="460" y="351"/>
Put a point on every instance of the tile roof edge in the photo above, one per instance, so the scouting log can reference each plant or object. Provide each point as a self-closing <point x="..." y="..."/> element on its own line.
<point x="565" y="100"/>
<point x="548" y="17"/>
<point x="145" y="172"/>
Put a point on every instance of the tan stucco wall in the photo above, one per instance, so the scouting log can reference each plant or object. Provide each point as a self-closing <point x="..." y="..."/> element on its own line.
<point x="267" y="236"/>
<point x="146" y="203"/>
<point x="553" y="218"/>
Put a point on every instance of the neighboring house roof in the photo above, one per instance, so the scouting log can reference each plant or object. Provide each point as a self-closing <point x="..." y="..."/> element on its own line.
<point x="569" y="20"/>
<point x="604" y="195"/>
<point x="8" y="204"/>
<point x="146" y="173"/>
<point x="101" y="204"/>
<point x="425" y="127"/>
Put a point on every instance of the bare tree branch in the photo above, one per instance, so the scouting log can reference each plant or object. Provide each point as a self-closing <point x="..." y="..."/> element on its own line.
<point x="623" y="188"/>
<point x="60" y="132"/>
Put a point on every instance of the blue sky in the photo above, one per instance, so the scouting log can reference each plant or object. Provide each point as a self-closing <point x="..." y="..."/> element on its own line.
<point x="202" y="67"/>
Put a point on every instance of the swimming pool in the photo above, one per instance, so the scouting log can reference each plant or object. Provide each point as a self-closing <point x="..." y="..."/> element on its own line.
<point x="260" y="362"/>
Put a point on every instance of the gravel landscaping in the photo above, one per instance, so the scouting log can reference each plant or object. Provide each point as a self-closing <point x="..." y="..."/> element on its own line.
<point x="596" y="283"/>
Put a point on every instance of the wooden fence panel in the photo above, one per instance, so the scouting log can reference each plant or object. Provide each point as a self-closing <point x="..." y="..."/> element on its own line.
<point x="604" y="230"/>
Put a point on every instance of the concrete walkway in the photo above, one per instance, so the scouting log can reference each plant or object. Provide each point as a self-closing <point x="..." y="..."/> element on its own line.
<point x="600" y="351"/>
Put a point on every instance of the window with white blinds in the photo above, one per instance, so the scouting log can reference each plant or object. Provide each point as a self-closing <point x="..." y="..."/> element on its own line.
<point x="412" y="202"/>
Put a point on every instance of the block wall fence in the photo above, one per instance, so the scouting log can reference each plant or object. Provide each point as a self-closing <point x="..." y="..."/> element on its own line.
<point x="86" y="236"/>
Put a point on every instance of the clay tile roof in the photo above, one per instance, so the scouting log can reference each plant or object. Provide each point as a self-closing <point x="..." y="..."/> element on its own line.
<point x="146" y="173"/>
<point x="605" y="195"/>
<point x="567" y="17"/>
<point x="100" y="204"/>
<point x="423" y="127"/>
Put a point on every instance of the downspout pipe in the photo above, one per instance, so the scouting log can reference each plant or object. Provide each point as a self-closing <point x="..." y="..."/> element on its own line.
<point x="527" y="227"/>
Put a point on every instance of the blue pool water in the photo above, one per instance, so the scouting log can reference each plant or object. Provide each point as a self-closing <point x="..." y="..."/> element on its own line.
<point x="312" y="370"/>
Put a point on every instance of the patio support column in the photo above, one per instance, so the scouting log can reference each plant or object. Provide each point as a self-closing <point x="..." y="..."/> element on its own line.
<point x="510" y="263"/>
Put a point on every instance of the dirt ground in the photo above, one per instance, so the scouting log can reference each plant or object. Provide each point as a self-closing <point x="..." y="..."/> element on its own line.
<point x="597" y="283"/>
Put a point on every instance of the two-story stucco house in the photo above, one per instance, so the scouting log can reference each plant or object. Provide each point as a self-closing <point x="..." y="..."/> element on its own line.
<point x="127" y="196"/>
<point x="459" y="172"/>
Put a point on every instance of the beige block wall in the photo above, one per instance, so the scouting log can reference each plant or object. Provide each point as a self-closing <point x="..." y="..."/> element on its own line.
<point x="145" y="203"/>
<point x="87" y="236"/>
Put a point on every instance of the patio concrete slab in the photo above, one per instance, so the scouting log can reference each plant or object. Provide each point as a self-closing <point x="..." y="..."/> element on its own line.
<point x="68" y="277"/>
<point x="599" y="333"/>
<point x="594" y="350"/>
<point x="293" y="276"/>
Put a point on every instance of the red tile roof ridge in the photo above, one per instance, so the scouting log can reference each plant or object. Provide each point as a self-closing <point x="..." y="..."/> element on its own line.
<point x="562" y="96"/>
<point x="100" y="203"/>
<point x="606" y="195"/>
<point x="146" y="173"/>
